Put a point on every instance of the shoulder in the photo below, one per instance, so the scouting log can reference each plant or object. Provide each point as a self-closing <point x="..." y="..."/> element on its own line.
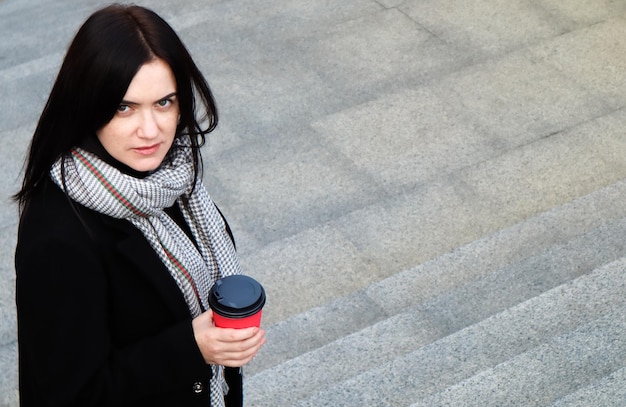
<point x="51" y="221"/>
<point x="51" y="214"/>
<point x="53" y="243"/>
<point x="57" y="233"/>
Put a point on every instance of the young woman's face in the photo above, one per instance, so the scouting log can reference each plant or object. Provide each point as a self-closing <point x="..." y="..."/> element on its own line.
<point x="143" y="128"/>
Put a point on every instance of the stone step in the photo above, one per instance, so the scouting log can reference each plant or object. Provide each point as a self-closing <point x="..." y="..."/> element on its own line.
<point x="436" y="216"/>
<point x="554" y="369"/>
<point x="8" y="375"/>
<point x="360" y="369"/>
<point x="565" y="241"/>
<point x="610" y="391"/>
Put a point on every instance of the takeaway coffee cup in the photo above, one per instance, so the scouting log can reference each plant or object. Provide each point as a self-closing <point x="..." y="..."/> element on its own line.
<point x="237" y="302"/>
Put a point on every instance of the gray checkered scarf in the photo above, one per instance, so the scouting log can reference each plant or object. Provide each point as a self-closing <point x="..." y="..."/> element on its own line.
<point x="103" y="188"/>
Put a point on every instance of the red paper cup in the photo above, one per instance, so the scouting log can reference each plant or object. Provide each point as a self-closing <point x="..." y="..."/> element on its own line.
<point x="237" y="302"/>
<point x="237" y="323"/>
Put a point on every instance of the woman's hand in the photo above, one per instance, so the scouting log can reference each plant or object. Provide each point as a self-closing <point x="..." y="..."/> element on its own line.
<point x="225" y="346"/>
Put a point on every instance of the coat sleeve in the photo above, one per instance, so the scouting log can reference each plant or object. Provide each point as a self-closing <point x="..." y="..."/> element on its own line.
<point x="66" y="353"/>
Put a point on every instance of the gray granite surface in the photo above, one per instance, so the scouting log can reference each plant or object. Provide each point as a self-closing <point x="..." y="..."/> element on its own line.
<point x="433" y="194"/>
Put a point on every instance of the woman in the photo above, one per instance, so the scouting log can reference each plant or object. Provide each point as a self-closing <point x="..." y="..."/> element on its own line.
<point x="119" y="242"/>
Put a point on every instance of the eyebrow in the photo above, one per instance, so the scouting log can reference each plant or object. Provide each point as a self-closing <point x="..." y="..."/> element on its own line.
<point x="131" y="103"/>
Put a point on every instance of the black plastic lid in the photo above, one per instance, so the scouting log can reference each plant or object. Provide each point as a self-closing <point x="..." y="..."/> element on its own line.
<point x="236" y="296"/>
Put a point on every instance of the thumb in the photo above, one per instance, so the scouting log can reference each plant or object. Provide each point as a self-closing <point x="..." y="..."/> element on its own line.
<point x="209" y="314"/>
<point x="206" y="318"/>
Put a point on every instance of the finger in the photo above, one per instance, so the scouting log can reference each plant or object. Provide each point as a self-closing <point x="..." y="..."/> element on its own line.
<point x="243" y="346"/>
<point x="240" y="353"/>
<point x="227" y="335"/>
<point x="241" y="360"/>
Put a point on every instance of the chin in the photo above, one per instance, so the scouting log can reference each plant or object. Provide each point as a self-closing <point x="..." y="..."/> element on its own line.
<point x="146" y="166"/>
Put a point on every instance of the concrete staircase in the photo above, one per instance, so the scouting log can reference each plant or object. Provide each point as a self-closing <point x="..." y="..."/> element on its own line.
<point x="433" y="195"/>
<point x="532" y="315"/>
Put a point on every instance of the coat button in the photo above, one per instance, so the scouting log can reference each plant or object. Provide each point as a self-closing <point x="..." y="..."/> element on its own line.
<point x="198" y="387"/>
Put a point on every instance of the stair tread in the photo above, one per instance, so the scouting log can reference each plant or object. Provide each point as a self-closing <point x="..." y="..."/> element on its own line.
<point x="592" y="236"/>
<point x="447" y="360"/>
<point x="609" y="391"/>
<point x="544" y="374"/>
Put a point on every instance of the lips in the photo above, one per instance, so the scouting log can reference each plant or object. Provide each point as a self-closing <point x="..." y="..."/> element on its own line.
<point x="147" y="150"/>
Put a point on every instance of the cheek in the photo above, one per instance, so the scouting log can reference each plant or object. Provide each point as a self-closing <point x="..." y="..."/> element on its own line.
<point x="111" y="134"/>
<point x="169" y="123"/>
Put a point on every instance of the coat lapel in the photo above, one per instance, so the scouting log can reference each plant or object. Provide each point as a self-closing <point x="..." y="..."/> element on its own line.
<point x="135" y="248"/>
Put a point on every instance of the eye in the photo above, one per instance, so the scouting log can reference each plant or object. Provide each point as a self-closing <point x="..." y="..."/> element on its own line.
<point x="167" y="102"/>
<point x="164" y="102"/>
<point x="123" y="108"/>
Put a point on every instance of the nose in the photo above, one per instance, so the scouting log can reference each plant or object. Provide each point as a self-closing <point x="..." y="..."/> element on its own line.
<point x="148" y="128"/>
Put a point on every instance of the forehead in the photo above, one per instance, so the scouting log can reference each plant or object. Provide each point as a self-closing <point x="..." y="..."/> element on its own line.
<point x="153" y="81"/>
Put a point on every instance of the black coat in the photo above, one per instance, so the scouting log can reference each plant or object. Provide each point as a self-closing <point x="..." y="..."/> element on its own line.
<point x="100" y="320"/>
